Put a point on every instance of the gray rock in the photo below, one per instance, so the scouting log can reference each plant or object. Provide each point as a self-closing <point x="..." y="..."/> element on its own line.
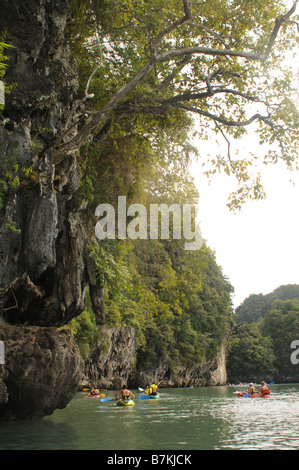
<point x="112" y="361"/>
<point x="42" y="370"/>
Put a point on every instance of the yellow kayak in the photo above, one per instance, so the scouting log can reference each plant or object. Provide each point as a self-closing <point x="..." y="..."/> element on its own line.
<point x="125" y="403"/>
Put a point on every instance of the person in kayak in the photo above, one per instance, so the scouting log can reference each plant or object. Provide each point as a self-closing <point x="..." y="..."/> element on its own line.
<point x="152" y="389"/>
<point x="251" y="389"/>
<point x="94" y="391"/>
<point x="264" y="389"/>
<point x="125" y="393"/>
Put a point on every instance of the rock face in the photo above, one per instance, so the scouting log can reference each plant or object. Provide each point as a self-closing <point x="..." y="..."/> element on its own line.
<point x="3" y="388"/>
<point x="44" y="267"/>
<point x="112" y="361"/>
<point x="42" y="370"/>
<point x="42" y="236"/>
<point x="200" y="375"/>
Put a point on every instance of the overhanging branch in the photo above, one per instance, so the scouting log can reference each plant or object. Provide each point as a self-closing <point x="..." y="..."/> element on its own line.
<point x="61" y="148"/>
<point x="226" y="122"/>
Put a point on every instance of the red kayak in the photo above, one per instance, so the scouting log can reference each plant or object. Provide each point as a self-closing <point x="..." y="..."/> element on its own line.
<point x="256" y="395"/>
<point x="91" y="395"/>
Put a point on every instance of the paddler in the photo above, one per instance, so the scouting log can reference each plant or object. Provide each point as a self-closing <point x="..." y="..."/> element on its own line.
<point x="125" y="393"/>
<point x="264" y="389"/>
<point x="251" y="389"/>
<point x="152" y="389"/>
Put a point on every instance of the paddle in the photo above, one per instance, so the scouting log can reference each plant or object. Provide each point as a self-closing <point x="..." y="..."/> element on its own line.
<point x="248" y="394"/>
<point x="88" y="390"/>
<point x="143" y="397"/>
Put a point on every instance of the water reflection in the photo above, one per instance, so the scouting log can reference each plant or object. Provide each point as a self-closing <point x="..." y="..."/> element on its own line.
<point x="194" y="419"/>
<point x="39" y="434"/>
<point x="261" y="423"/>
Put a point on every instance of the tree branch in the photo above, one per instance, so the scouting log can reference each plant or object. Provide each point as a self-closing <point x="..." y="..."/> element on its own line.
<point x="189" y="96"/>
<point x="174" y="25"/>
<point x="61" y="148"/>
<point x="224" y="121"/>
<point x="174" y="53"/>
<point x="212" y="33"/>
<point x="278" y="23"/>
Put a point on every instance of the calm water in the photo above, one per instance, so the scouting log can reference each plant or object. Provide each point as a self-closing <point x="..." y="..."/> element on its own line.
<point x="196" y="419"/>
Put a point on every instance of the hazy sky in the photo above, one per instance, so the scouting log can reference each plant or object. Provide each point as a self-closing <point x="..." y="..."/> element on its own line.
<point x="257" y="248"/>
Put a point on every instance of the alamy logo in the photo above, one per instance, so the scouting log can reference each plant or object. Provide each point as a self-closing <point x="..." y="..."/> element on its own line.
<point x="2" y="93"/>
<point x="2" y="353"/>
<point x="146" y="226"/>
<point x="295" y="354"/>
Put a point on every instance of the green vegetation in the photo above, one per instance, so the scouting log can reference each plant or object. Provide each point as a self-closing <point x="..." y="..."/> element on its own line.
<point x="3" y="66"/>
<point x="178" y="301"/>
<point x="221" y="61"/>
<point x="260" y="344"/>
<point x="254" y="307"/>
<point x="8" y="177"/>
<point x="146" y="69"/>
<point x="84" y="331"/>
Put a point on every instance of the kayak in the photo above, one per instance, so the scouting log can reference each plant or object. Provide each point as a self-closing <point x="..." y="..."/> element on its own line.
<point x="154" y="397"/>
<point x="240" y="394"/>
<point x="125" y="403"/>
<point x="90" y="395"/>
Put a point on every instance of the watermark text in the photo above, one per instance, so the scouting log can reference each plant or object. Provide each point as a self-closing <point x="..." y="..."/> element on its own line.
<point x="295" y="354"/>
<point x="156" y="224"/>
<point x="2" y="93"/>
<point x="2" y="353"/>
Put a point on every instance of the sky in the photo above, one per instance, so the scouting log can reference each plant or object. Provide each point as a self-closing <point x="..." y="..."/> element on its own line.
<point x="257" y="247"/>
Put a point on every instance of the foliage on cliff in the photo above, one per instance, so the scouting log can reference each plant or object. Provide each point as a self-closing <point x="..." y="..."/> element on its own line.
<point x="178" y="301"/>
<point x="222" y="61"/>
<point x="254" y="307"/>
<point x="145" y="68"/>
<point x="260" y="344"/>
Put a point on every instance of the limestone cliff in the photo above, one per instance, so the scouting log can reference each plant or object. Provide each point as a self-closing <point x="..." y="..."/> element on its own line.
<point x="41" y="373"/>
<point x="44" y="264"/>
<point x="113" y="363"/>
<point x="42" y="236"/>
<point x="42" y="273"/>
<point x="203" y="374"/>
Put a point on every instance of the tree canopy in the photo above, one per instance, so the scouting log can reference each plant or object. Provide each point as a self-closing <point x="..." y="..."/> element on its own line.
<point x="254" y="307"/>
<point x="178" y="302"/>
<point x="260" y="346"/>
<point x="148" y="70"/>
<point x="221" y="61"/>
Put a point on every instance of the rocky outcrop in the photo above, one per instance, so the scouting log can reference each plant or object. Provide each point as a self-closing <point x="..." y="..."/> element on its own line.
<point x="112" y="361"/>
<point x="42" y="370"/>
<point x="200" y="375"/>
<point x="42" y="234"/>
<point x="219" y="374"/>
<point x="44" y="267"/>
<point x="3" y="388"/>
